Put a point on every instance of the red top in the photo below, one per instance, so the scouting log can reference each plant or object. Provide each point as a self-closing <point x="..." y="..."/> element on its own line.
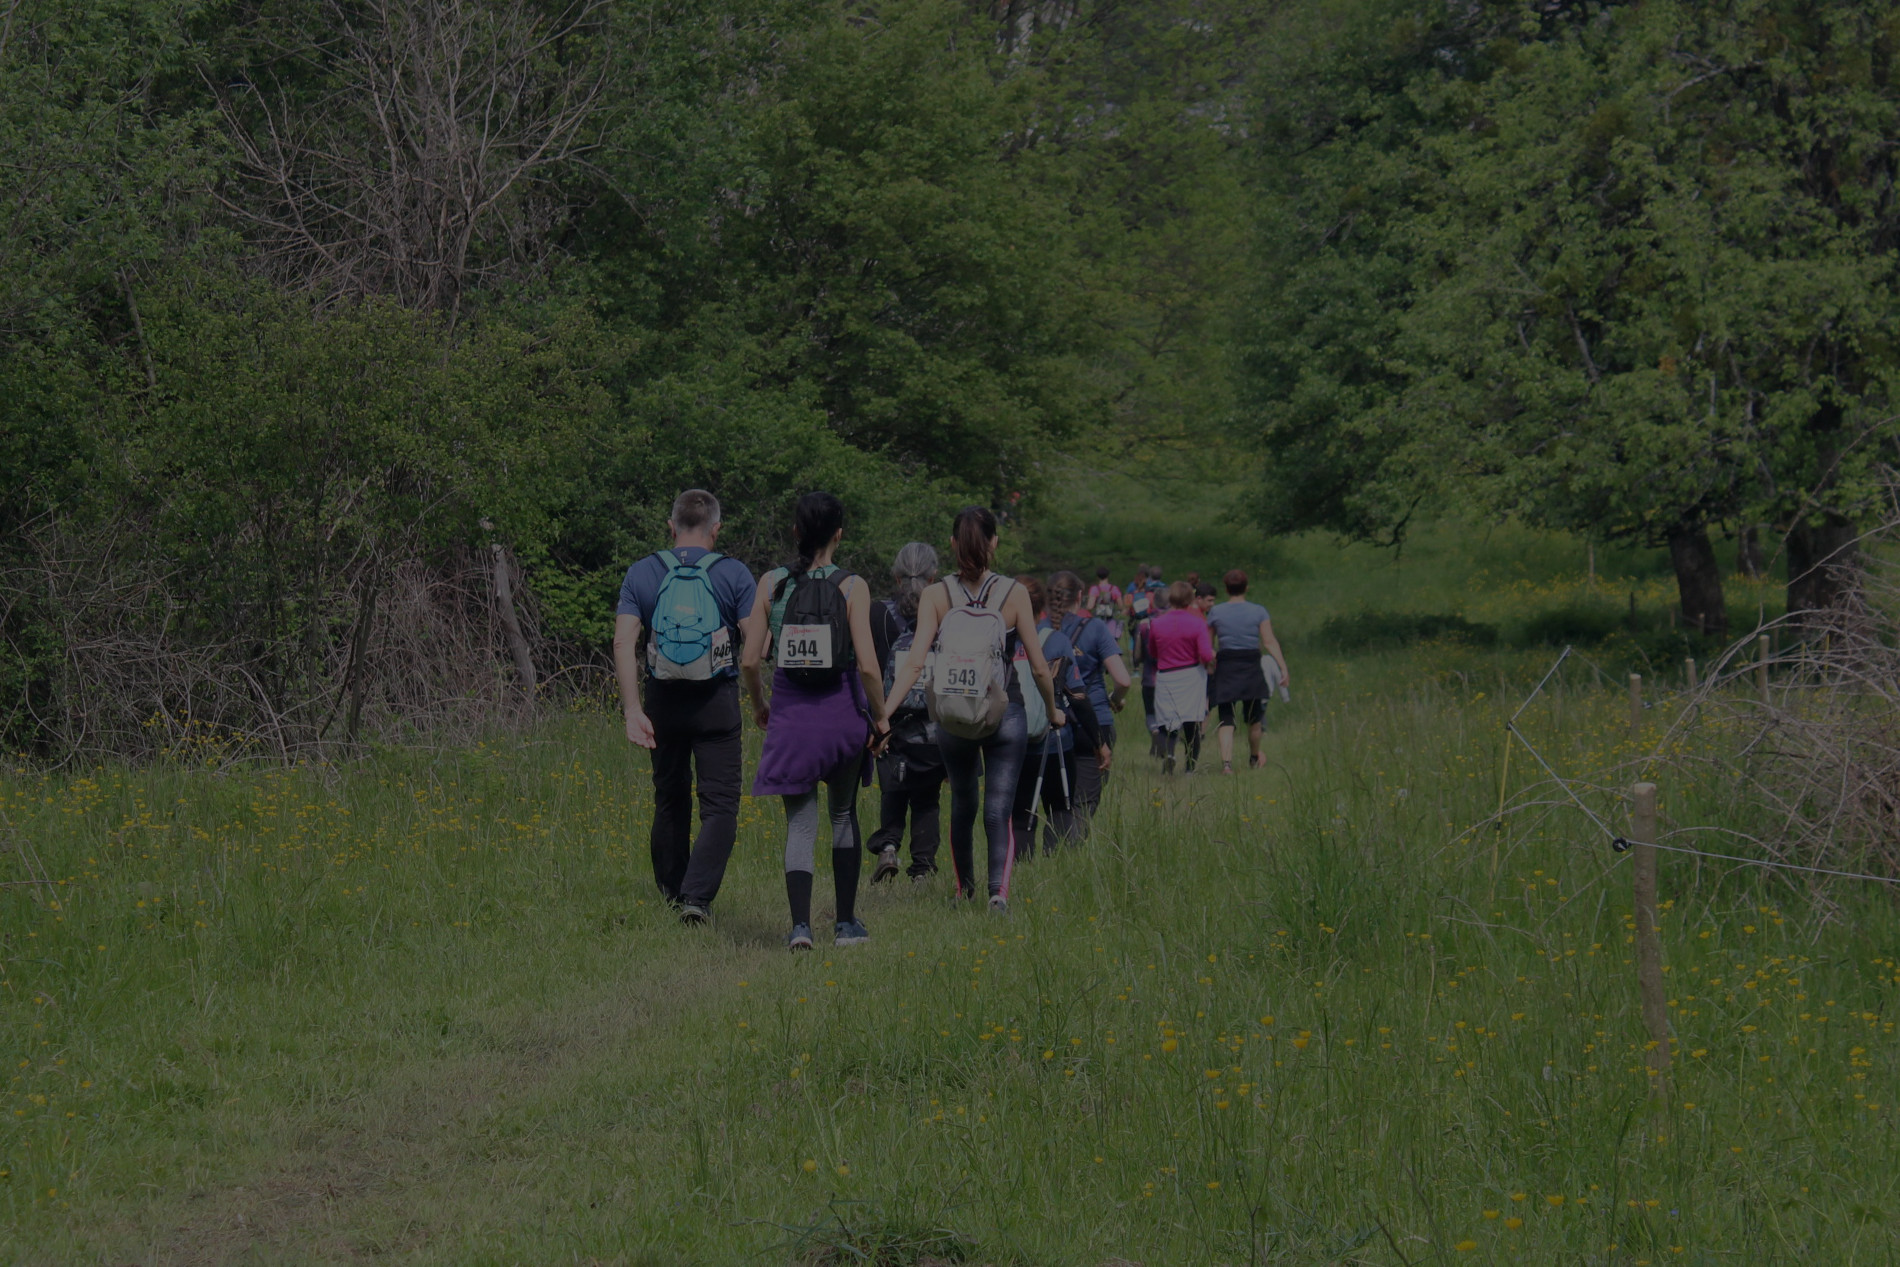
<point x="1180" y="640"/>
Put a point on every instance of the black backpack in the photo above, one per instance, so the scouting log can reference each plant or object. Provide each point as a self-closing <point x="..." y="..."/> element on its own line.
<point x="814" y="639"/>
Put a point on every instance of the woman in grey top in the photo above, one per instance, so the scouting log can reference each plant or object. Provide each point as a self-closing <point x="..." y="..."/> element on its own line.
<point x="1243" y="637"/>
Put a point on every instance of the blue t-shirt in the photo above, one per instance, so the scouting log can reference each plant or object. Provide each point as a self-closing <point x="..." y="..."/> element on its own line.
<point x="1057" y="647"/>
<point x="1237" y="625"/>
<point x="732" y="588"/>
<point x="1093" y="644"/>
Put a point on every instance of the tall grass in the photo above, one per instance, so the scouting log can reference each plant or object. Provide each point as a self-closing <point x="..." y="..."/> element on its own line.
<point x="427" y="1009"/>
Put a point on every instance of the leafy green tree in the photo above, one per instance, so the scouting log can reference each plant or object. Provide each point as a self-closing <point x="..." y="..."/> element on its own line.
<point x="1634" y="278"/>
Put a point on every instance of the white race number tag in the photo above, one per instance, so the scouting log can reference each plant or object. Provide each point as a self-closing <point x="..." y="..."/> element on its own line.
<point x="960" y="675"/>
<point x="804" y="647"/>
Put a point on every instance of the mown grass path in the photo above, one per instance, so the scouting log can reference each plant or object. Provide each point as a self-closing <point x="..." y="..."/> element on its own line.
<point x="427" y="1010"/>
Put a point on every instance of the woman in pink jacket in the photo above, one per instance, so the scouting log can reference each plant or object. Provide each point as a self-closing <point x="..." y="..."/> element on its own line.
<point x="1182" y="652"/>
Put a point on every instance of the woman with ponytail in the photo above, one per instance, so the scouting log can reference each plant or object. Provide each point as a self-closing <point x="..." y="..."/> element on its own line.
<point x="910" y="771"/>
<point x="822" y="714"/>
<point x="999" y="753"/>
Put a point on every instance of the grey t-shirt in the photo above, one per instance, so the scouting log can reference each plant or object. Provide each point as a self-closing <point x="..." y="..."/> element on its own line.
<point x="1237" y="625"/>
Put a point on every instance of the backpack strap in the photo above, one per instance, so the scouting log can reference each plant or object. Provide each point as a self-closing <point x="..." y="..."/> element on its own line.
<point x="670" y="559"/>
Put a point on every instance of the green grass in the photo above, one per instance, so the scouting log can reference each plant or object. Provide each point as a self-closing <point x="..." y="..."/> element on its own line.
<point x="426" y="1009"/>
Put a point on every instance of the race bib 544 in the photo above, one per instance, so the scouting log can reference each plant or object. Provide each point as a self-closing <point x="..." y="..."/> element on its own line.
<point x="804" y="647"/>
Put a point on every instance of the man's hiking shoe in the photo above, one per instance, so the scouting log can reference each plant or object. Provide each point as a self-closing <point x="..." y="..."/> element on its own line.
<point x="799" y="938"/>
<point x="850" y="932"/>
<point x="693" y="915"/>
<point x="999" y="905"/>
<point x="920" y="879"/>
<point x="886" y="865"/>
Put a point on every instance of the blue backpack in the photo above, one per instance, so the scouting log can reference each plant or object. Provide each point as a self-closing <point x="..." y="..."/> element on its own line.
<point x="690" y="641"/>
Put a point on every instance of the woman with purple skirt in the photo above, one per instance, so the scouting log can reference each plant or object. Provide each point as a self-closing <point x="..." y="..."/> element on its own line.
<point x="819" y="723"/>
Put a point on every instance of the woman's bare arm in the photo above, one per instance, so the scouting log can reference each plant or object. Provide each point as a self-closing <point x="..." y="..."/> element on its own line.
<point x="931" y="606"/>
<point x="1271" y="645"/>
<point x="858" y="606"/>
<point x="756" y="630"/>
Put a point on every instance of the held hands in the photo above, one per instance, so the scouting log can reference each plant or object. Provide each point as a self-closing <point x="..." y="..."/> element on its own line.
<point x="761" y="713"/>
<point x="880" y="738"/>
<point x="640" y="729"/>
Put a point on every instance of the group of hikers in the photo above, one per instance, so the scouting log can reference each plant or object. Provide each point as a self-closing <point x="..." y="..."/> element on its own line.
<point x="1006" y="688"/>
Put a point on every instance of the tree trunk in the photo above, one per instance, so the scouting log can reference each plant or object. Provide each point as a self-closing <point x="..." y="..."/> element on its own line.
<point x="1821" y="563"/>
<point x="510" y="622"/>
<point x="1749" y="559"/>
<point x="1698" y="580"/>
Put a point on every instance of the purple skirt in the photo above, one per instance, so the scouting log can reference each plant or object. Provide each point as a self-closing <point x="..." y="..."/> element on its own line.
<point x="810" y="733"/>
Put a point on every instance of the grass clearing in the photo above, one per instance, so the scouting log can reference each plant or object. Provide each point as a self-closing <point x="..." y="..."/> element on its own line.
<point x="426" y="1009"/>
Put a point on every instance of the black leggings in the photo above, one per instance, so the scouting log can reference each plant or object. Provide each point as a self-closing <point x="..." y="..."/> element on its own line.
<point x="1190" y="734"/>
<point x="996" y="761"/>
<point x="1252" y="711"/>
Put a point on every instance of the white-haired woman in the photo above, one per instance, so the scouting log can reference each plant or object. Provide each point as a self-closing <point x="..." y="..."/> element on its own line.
<point x="910" y="773"/>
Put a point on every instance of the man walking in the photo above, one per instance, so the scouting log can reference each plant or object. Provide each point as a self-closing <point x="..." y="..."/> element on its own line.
<point x="678" y="620"/>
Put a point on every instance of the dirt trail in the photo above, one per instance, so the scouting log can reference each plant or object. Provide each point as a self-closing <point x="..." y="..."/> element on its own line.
<point x="351" y="1187"/>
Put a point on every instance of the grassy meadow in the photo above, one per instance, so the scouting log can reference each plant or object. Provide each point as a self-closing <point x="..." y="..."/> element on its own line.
<point x="426" y="1008"/>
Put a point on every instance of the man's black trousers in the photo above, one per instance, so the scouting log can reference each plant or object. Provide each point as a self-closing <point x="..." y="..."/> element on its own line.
<point x="696" y="730"/>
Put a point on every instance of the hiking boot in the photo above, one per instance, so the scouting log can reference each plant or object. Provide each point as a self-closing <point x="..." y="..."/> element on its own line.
<point x="694" y="915"/>
<point x="999" y="905"/>
<point x="886" y="864"/>
<point x="850" y="932"/>
<point x="799" y="938"/>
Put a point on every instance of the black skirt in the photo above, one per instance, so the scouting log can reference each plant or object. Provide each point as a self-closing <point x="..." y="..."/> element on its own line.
<point x="1237" y="677"/>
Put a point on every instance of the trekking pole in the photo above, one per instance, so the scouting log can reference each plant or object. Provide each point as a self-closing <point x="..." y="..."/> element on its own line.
<point x="1035" y="797"/>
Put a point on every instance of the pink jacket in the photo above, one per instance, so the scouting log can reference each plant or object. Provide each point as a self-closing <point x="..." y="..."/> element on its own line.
<point x="1180" y="640"/>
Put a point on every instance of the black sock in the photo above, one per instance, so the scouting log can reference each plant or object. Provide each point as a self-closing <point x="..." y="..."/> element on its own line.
<point x="844" y="875"/>
<point x="798" y="892"/>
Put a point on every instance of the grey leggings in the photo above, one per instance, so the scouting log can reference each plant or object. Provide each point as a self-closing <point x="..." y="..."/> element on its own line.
<point x="801" y="816"/>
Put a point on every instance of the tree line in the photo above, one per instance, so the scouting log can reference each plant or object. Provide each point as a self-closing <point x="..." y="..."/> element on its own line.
<point x="1622" y="269"/>
<point x="349" y="349"/>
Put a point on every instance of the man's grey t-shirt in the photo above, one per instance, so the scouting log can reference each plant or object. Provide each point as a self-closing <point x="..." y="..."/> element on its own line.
<point x="1237" y="625"/>
<point x="732" y="587"/>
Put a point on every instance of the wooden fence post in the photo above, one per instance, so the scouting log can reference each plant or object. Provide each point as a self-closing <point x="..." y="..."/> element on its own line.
<point x="1649" y="976"/>
<point x="1636" y="705"/>
<point x="1694" y="683"/>
<point x="1761" y="667"/>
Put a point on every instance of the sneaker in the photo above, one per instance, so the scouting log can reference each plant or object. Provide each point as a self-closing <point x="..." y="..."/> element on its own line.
<point x="799" y="938"/>
<point x="1226" y="767"/>
<point x="693" y="915"/>
<point x="1256" y="761"/>
<point x="999" y="905"/>
<point x="886" y="865"/>
<point x="963" y="893"/>
<point x="920" y="879"/>
<point x="1167" y="764"/>
<point x="850" y="932"/>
